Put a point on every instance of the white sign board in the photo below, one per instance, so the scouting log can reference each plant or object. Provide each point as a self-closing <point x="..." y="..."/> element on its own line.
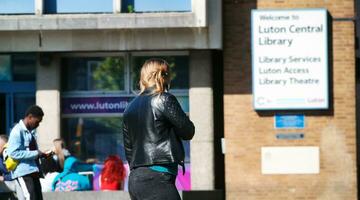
<point x="290" y="59"/>
<point x="290" y="160"/>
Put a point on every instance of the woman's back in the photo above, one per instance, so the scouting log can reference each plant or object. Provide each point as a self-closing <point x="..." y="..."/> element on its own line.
<point x="154" y="127"/>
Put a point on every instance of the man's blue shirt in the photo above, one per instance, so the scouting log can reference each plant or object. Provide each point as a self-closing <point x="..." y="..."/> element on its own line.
<point x="18" y="149"/>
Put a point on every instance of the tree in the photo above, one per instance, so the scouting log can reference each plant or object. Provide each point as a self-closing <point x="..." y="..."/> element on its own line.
<point x="109" y="75"/>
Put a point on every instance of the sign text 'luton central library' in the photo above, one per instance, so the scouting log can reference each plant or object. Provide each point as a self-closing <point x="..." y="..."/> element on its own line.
<point x="290" y="59"/>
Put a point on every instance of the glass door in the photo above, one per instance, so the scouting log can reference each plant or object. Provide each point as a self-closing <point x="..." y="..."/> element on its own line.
<point x="21" y="101"/>
<point x="17" y="87"/>
<point x="15" y="98"/>
<point x="2" y="114"/>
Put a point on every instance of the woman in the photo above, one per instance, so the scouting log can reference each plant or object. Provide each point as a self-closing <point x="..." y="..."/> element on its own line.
<point x="53" y="165"/>
<point x="154" y="125"/>
<point x="61" y="153"/>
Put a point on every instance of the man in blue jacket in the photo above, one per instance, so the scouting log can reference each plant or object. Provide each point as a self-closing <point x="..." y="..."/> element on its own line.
<point x="23" y="148"/>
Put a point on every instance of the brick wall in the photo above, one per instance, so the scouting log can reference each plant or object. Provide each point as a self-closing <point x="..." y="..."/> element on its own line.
<point x="246" y="131"/>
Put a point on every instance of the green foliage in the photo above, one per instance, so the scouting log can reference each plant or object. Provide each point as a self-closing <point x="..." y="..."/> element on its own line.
<point x="109" y="75"/>
<point x="130" y="8"/>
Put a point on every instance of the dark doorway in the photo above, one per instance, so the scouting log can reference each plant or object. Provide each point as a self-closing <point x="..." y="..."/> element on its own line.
<point x="2" y="114"/>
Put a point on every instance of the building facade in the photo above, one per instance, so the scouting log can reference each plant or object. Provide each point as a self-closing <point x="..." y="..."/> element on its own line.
<point x="81" y="64"/>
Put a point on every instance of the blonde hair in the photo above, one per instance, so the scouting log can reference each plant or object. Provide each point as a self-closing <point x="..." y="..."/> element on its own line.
<point x="59" y="146"/>
<point x="154" y="73"/>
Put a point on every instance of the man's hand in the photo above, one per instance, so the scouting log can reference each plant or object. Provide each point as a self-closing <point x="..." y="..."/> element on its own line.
<point x="41" y="154"/>
<point x="46" y="154"/>
<point x="49" y="153"/>
<point x="1" y="178"/>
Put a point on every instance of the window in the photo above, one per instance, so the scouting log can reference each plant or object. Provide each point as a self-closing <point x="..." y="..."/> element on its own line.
<point x="17" y="67"/>
<point x="24" y="67"/>
<point x="93" y="6"/>
<point x="5" y="68"/>
<point x="94" y="138"/>
<point x="21" y="102"/>
<point x="17" y="6"/>
<point x="78" y="6"/>
<point x="162" y="6"/>
<point x="93" y="74"/>
<point x="96" y="90"/>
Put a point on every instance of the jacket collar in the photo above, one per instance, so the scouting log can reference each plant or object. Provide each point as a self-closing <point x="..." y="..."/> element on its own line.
<point x="149" y="90"/>
<point x="22" y="125"/>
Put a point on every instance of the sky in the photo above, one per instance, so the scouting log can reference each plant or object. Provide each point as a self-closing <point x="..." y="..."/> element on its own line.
<point x="27" y="6"/>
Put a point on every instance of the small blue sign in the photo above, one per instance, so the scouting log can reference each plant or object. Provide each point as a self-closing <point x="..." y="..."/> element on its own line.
<point x="289" y="121"/>
<point x="290" y="136"/>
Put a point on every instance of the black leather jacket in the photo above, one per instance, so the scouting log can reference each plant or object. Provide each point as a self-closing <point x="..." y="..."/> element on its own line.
<point x="153" y="128"/>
